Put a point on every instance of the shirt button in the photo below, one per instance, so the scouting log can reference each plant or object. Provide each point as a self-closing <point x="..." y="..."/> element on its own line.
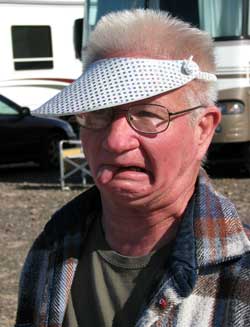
<point x="163" y="303"/>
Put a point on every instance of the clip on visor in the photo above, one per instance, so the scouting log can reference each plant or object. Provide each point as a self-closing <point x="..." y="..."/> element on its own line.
<point x="116" y="81"/>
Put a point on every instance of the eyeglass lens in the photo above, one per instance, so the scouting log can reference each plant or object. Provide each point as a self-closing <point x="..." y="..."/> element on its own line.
<point x="95" y="119"/>
<point x="143" y="118"/>
<point x="148" y="118"/>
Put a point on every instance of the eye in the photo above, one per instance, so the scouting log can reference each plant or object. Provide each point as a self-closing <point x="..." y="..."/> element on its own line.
<point x="99" y="113"/>
<point x="150" y="112"/>
<point x="95" y="119"/>
<point x="147" y="114"/>
<point x="97" y="116"/>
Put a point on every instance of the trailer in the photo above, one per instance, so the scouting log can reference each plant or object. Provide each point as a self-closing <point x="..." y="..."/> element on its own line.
<point x="228" y="23"/>
<point x="38" y="58"/>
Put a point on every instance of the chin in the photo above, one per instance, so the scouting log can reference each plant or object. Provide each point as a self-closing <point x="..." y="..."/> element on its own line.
<point x="126" y="193"/>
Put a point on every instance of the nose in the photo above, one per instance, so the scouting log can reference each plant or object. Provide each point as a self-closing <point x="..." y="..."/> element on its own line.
<point x="120" y="137"/>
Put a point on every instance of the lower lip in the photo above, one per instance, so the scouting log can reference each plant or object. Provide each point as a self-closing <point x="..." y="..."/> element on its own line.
<point x="130" y="174"/>
<point x="108" y="174"/>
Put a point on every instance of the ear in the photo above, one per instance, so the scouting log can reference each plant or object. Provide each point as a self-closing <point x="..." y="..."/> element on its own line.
<point x="205" y="128"/>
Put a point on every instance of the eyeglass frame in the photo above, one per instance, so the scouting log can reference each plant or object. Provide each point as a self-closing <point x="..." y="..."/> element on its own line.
<point x="128" y="118"/>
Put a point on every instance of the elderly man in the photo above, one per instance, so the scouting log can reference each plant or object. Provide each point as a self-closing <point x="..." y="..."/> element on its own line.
<point x="152" y="244"/>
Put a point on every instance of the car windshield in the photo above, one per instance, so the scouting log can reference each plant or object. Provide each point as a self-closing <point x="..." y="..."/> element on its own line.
<point x="5" y="109"/>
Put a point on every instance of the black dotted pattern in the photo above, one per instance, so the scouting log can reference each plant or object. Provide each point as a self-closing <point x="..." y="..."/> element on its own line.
<point x="111" y="82"/>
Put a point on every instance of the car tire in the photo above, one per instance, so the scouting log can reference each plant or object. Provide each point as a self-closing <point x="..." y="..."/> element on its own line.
<point x="50" y="157"/>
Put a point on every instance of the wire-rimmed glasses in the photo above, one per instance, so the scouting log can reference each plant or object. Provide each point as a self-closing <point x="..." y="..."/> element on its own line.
<point x="144" y="118"/>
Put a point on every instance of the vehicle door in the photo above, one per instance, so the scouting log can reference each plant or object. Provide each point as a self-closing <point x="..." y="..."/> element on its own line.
<point x="15" y="143"/>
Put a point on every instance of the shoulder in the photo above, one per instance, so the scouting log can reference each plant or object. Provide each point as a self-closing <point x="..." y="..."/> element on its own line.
<point x="69" y="220"/>
<point x="247" y="229"/>
<point x="72" y="216"/>
<point x="241" y="265"/>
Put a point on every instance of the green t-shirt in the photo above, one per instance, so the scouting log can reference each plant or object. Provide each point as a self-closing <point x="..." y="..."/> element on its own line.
<point x="109" y="289"/>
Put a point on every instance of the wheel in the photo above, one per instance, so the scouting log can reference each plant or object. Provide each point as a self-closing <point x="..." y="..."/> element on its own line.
<point x="50" y="158"/>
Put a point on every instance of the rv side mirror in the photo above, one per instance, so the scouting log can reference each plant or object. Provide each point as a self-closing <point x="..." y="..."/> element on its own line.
<point x="78" y="29"/>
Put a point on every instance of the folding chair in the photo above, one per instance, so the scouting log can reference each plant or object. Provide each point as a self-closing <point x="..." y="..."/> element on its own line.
<point x="72" y="160"/>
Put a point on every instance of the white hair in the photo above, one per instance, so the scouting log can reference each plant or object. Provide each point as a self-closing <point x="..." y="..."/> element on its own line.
<point x="155" y="34"/>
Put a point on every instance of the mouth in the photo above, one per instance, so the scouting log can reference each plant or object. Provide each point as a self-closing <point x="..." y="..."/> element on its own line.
<point x="132" y="168"/>
<point x="107" y="172"/>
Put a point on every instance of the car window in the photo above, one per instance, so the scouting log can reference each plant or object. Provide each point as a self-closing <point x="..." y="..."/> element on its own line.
<point x="5" y="109"/>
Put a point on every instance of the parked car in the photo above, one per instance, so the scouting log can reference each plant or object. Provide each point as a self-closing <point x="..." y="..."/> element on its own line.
<point x="71" y="119"/>
<point x="24" y="137"/>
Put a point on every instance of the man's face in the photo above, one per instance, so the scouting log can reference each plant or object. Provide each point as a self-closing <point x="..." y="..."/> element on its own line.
<point x="140" y="168"/>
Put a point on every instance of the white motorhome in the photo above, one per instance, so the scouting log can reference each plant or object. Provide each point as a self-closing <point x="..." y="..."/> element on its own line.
<point x="38" y="57"/>
<point x="228" y="22"/>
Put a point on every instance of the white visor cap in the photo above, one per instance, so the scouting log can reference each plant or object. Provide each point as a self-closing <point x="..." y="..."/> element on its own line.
<point x="115" y="81"/>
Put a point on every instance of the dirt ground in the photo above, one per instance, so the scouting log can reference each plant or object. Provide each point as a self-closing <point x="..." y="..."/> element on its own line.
<point x="28" y="196"/>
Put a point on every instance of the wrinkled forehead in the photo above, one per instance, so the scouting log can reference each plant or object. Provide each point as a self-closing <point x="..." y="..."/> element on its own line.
<point x="114" y="82"/>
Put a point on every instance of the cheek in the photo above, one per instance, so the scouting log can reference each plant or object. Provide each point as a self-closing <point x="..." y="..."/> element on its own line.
<point x="161" y="153"/>
<point x="174" y="151"/>
<point x="187" y="147"/>
<point x="89" y="144"/>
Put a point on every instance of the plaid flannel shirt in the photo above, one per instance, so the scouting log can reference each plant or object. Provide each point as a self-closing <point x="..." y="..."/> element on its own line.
<point x="205" y="284"/>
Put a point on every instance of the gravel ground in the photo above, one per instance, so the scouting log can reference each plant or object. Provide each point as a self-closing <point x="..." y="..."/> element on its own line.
<point x="28" y="197"/>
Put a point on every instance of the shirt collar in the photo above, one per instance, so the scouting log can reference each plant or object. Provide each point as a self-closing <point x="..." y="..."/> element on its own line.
<point x="211" y="231"/>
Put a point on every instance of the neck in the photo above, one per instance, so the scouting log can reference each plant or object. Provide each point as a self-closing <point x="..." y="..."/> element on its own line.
<point x="137" y="231"/>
